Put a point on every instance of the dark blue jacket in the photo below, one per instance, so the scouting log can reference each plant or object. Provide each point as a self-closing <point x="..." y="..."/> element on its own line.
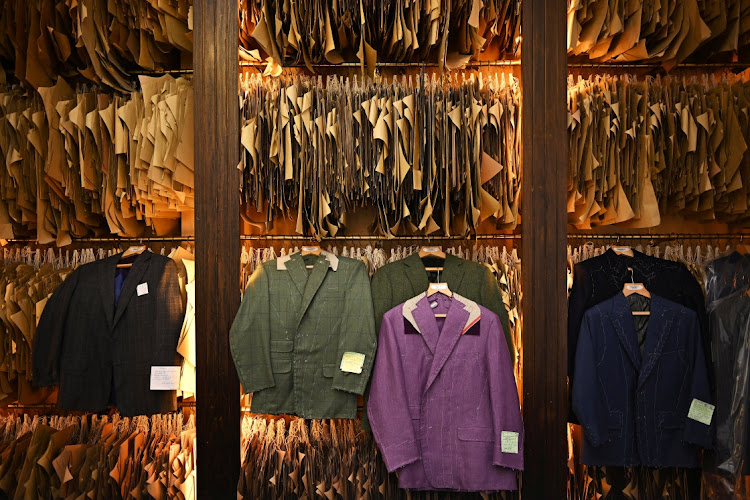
<point x="634" y="410"/>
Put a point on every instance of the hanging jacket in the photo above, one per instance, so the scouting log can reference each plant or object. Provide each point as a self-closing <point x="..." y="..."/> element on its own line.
<point x="303" y="341"/>
<point x="649" y="409"/>
<point x="443" y="401"/>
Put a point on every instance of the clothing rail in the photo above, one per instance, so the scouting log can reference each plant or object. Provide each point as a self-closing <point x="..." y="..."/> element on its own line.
<point x="158" y="72"/>
<point x="657" y="65"/>
<point x="659" y="236"/>
<point x="50" y="406"/>
<point x="295" y="237"/>
<point x="94" y="239"/>
<point x="470" y="64"/>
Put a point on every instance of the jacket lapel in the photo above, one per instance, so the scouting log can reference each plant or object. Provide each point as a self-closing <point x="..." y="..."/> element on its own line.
<point x="415" y="273"/>
<point x="107" y="271"/>
<point x="317" y="275"/>
<point x="419" y="313"/>
<point x="453" y="272"/>
<point x="131" y="282"/>
<point x="659" y="330"/>
<point x="623" y="322"/>
<point x="295" y="266"/>
<point x="447" y="337"/>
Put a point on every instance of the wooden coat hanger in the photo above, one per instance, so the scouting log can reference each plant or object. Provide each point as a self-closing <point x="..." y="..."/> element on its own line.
<point x="436" y="252"/>
<point x="134" y="250"/>
<point x="311" y="250"/>
<point x="438" y="287"/>
<point x="636" y="288"/>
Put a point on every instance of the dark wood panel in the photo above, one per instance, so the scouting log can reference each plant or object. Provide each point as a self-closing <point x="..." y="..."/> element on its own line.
<point x="217" y="245"/>
<point x="545" y="153"/>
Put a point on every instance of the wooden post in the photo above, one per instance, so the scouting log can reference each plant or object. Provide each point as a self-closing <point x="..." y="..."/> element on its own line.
<point x="217" y="232"/>
<point x="544" y="234"/>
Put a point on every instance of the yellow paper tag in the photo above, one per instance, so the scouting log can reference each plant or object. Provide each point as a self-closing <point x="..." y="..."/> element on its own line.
<point x="509" y="442"/>
<point x="701" y="412"/>
<point x="352" y="362"/>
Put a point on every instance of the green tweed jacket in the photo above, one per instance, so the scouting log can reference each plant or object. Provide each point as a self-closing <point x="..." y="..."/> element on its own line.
<point x="399" y="281"/>
<point x="304" y="340"/>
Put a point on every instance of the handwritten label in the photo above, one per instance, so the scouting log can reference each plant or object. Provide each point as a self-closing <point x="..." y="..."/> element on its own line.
<point x="438" y="286"/>
<point x="352" y="362"/>
<point x="701" y="412"/>
<point x="142" y="289"/>
<point x="310" y="249"/>
<point x="431" y="249"/>
<point x="136" y="249"/>
<point x="165" y="378"/>
<point x="433" y="305"/>
<point x="634" y="287"/>
<point x="509" y="442"/>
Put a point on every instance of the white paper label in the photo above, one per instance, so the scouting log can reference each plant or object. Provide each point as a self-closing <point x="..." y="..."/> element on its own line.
<point x="430" y="249"/>
<point x="509" y="442"/>
<point x="634" y="287"/>
<point x="136" y="249"/>
<point x="142" y="289"/>
<point x="701" y="412"/>
<point x="165" y="378"/>
<point x="621" y="249"/>
<point x="352" y="362"/>
<point x="310" y="249"/>
<point x="433" y="304"/>
<point x="439" y="286"/>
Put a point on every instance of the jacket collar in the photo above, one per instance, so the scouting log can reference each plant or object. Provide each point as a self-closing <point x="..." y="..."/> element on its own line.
<point x="657" y="334"/>
<point x="307" y="283"/>
<point x="642" y="264"/>
<point x="462" y="315"/>
<point x="453" y="272"/>
<point x="107" y="281"/>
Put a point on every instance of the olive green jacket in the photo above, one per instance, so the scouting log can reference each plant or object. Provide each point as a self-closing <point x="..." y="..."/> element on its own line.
<point x="399" y="281"/>
<point x="293" y="330"/>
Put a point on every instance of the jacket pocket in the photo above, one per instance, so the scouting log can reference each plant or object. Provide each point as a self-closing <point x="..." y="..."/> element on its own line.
<point x="282" y="345"/>
<point x="475" y="434"/>
<point x="328" y="370"/>
<point x="614" y="424"/>
<point x="281" y="365"/>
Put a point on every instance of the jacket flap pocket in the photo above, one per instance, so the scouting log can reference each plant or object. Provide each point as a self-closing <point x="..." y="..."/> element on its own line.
<point x="328" y="370"/>
<point x="475" y="434"/>
<point x="671" y="420"/>
<point x="281" y="365"/>
<point x="282" y="345"/>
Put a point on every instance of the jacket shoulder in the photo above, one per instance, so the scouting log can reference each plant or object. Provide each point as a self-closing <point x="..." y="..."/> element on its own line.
<point x="394" y="267"/>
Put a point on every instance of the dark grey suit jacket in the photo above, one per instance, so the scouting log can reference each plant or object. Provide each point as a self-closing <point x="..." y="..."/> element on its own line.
<point x="100" y="356"/>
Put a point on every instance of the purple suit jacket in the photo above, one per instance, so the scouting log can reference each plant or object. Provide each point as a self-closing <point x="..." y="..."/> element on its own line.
<point x="443" y="402"/>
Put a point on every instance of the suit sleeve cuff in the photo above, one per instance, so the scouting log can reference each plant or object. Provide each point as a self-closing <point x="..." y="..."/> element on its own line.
<point x="400" y="455"/>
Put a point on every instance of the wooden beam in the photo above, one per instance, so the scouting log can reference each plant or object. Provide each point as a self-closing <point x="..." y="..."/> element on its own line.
<point x="543" y="227"/>
<point x="217" y="245"/>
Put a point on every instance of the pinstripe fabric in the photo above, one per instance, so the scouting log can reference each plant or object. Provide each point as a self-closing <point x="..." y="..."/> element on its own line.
<point x="292" y="330"/>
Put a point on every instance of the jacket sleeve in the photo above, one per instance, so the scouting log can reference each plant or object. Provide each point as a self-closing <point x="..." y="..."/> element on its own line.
<point x="171" y="314"/>
<point x="492" y="299"/>
<point x="382" y="296"/>
<point x="589" y="402"/>
<point x="388" y="406"/>
<point x="696" y="432"/>
<point x="250" y="335"/>
<point x="506" y="410"/>
<point x="357" y="333"/>
<point x="50" y="334"/>
<point x="576" y="309"/>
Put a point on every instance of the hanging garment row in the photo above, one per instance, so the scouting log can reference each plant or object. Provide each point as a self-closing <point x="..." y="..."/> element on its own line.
<point x="100" y="41"/>
<point x="651" y="290"/>
<point x="370" y="31"/>
<point x="83" y="162"/>
<point x="668" y="31"/>
<point x="640" y="149"/>
<point x="429" y="157"/>
<point x="98" y="457"/>
<point x="304" y="343"/>
<point x="28" y="279"/>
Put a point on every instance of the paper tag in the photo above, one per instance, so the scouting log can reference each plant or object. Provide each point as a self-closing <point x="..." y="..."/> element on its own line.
<point x="136" y="249"/>
<point x="621" y="249"/>
<point x="165" y="378"/>
<point x="438" y="286"/>
<point x="633" y="287"/>
<point x="310" y="249"/>
<point x="433" y="305"/>
<point x="430" y="249"/>
<point x="701" y="412"/>
<point x="142" y="289"/>
<point x="509" y="442"/>
<point x="352" y="362"/>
